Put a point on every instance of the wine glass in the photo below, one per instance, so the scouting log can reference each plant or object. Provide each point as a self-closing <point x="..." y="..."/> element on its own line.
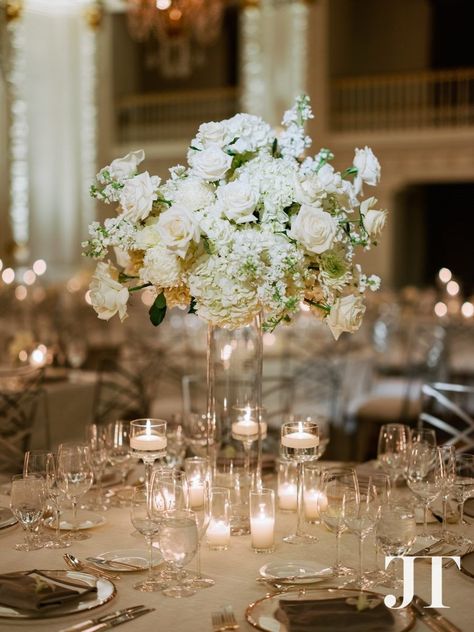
<point x="178" y="538"/>
<point x="424" y="478"/>
<point x="34" y="462"/>
<point x="96" y="439"/>
<point x="299" y="442"/>
<point x="360" y="512"/>
<point x="76" y="354"/>
<point x="195" y="427"/>
<point x="117" y="439"/>
<point x="395" y="533"/>
<point x="27" y="499"/>
<point x="146" y="522"/>
<point x="336" y="483"/>
<point x="393" y="448"/>
<point x="446" y="456"/>
<point x="424" y="435"/>
<point x="464" y="485"/>
<point x="380" y="486"/>
<point x="75" y="478"/>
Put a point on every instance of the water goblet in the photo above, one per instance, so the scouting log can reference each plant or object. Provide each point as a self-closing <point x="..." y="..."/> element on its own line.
<point x="178" y="538"/>
<point x="393" y="450"/>
<point x="75" y="479"/>
<point x="464" y="485"/>
<point x="27" y="499"/>
<point x="336" y="483"/>
<point x="146" y="522"/>
<point x="96" y="439"/>
<point x="35" y="462"/>
<point x="299" y="442"/>
<point x="424" y="478"/>
<point x="446" y="456"/>
<point x="117" y="439"/>
<point x="395" y="533"/>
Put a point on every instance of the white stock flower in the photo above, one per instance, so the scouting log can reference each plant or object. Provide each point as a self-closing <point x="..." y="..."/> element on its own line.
<point x="211" y="134"/>
<point x="126" y="167"/>
<point x="210" y="164"/>
<point x="108" y="296"/>
<point x="368" y="168"/>
<point x="194" y="194"/>
<point x="346" y="315"/>
<point x="314" y="228"/>
<point x="374" y="220"/>
<point x="178" y="228"/>
<point x="238" y="201"/>
<point x="161" y="267"/>
<point x="138" y="195"/>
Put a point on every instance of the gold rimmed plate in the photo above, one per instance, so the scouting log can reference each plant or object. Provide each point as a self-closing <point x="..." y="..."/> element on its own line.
<point x="106" y="591"/>
<point x="467" y="564"/>
<point x="327" y="610"/>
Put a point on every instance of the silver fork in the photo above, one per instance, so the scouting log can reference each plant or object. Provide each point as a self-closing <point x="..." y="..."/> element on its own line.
<point x="224" y="620"/>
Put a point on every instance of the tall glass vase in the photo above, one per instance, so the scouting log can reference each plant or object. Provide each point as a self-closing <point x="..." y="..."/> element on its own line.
<point x="236" y="426"/>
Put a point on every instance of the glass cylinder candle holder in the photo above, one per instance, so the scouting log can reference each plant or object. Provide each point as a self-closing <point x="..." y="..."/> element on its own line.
<point x="230" y="474"/>
<point x="286" y="487"/>
<point x="299" y="443"/>
<point x="313" y="497"/>
<point x="262" y="520"/>
<point x="197" y="470"/>
<point x="218" y="531"/>
<point x="148" y="443"/>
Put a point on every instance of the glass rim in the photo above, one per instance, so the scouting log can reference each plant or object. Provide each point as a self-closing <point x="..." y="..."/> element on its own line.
<point x="148" y="422"/>
<point x="292" y="424"/>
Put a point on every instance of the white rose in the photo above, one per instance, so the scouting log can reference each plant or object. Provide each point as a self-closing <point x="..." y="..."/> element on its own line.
<point x="194" y="194"/>
<point x="210" y="164"/>
<point x="374" y="221"/>
<point x="212" y="134"/>
<point x="161" y="267"/>
<point x="368" y="168"/>
<point x="314" y="228"/>
<point x="307" y="189"/>
<point x="137" y="196"/>
<point x="125" y="167"/>
<point x="238" y="201"/>
<point x="177" y="228"/>
<point x="329" y="179"/>
<point x="346" y="315"/>
<point x="148" y="236"/>
<point x="107" y="295"/>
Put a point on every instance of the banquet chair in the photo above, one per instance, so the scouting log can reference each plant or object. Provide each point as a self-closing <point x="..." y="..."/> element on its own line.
<point x="449" y="410"/>
<point x="398" y="399"/>
<point x="120" y="392"/>
<point x="21" y="393"/>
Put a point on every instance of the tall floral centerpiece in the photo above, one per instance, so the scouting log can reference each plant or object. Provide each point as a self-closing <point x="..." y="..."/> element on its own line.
<point x="242" y="235"/>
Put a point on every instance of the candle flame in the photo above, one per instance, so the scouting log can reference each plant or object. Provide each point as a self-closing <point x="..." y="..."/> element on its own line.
<point x="148" y="427"/>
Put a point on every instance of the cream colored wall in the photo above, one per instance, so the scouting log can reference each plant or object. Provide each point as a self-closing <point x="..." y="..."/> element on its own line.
<point x="4" y="193"/>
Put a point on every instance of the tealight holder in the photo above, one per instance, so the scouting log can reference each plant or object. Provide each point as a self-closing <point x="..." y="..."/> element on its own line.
<point x="299" y="443"/>
<point x="262" y="520"/>
<point x="218" y="531"/>
<point x="313" y="497"/>
<point x="286" y="485"/>
<point x="249" y="428"/>
<point x="148" y="443"/>
<point x="197" y="470"/>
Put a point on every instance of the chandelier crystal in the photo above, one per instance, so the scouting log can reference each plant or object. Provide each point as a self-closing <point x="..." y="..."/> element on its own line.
<point x="180" y="26"/>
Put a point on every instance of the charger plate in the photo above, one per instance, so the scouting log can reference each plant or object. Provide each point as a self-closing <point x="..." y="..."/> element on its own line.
<point x="261" y="614"/>
<point x="106" y="591"/>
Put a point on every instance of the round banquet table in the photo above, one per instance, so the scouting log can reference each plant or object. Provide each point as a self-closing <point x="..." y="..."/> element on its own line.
<point x="234" y="570"/>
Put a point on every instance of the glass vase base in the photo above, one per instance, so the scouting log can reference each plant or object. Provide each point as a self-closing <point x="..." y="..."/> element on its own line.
<point x="61" y="543"/>
<point x="202" y="582"/>
<point x="300" y="538"/>
<point x="149" y="585"/>
<point x="177" y="592"/>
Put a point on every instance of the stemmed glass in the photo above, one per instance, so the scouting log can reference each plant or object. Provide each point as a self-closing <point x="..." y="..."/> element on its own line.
<point x="299" y="442"/>
<point x="393" y="450"/>
<point x="117" y="439"/>
<point x="34" y="462"/>
<point x="379" y="485"/>
<point x="203" y="517"/>
<point x="148" y="443"/>
<point x="95" y="437"/>
<point x="323" y="429"/>
<point x="396" y="533"/>
<point x="246" y="429"/>
<point x="178" y="538"/>
<point x="27" y="499"/>
<point x="195" y="427"/>
<point x="360" y="513"/>
<point x="464" y="486"/>
<point x="75" y="478"/>
<point x="446" y="456"/>
<point x="424" y="476"/>
<point x="147" y="522"/>
<point x="336" y="484"/>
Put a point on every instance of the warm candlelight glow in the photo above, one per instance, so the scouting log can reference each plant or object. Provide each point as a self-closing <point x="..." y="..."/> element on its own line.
<point x="440" y="309"/>
<point x="21" y="292"/>
<point x="38" y="356"/>
<point x="29" y="277"/>
<point x="452" y="288"/>
<point x="314" y="501"/>
<point x="8" y="275"/>
<point x="467" y="309"/>
<point x="445" y="275"/>
<point x="218" y="534"/>
<point x="39" y="267"/>
<point x="287" y="496"/>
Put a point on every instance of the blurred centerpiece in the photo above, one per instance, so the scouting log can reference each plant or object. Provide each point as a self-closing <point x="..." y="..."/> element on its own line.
<point x="242" y="237"/>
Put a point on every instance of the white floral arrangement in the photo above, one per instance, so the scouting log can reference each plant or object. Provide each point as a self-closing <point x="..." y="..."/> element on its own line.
<point x="251" y="225"/>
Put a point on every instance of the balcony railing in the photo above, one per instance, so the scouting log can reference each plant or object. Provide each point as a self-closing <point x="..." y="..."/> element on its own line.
<point x="422" y="100"/>
<point x="171" y="116"/>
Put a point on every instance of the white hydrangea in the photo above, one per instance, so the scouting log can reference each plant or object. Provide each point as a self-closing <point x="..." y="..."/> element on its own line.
<point x="249" y="132"/>
<point x="161" y="268"/>
<point x="193" y="194"/>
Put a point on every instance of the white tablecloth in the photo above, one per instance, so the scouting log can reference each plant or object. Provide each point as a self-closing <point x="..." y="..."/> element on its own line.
<point x="234" y="570"/>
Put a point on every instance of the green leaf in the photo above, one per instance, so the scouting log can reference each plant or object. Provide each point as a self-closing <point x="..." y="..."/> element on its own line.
<point x="275" y="147"/>
<point x="350" y="171"/>
<point x="195" y="148"/>
<point x="157" y="311"/>
<point x="192" y="306"/>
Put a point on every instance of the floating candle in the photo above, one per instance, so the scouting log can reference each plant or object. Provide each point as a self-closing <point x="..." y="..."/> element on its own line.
<point x="218" y="534"/>
<point x="196" y="494"/>
<point x="300" y="440"/>
<point x="287" y="496"/>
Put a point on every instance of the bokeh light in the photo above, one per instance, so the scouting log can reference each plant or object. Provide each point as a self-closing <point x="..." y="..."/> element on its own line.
<point x="445" y="275"/>
<point x="467" y="309"/>
<point x="452" y="288"/>
<point x="40" y="267"/>
<point x="441" y="309"/>
<point x="8" y="275"/>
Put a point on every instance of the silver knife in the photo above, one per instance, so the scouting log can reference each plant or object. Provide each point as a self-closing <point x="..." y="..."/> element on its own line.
<point x="82" y="625"/>
<point x="123" y="618"/>
<point x="444" y="624"/>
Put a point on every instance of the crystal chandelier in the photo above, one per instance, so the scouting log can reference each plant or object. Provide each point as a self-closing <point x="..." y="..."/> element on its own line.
<point x="181" y="27"/>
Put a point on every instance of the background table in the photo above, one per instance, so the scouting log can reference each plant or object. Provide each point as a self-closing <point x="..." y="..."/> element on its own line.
<point x="234" y="570"/>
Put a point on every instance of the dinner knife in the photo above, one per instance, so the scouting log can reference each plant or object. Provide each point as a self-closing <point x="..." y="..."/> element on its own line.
<point x="441" y="620"/>
<point x="123" y="618"/>
<point x="427" y="618"/>
<point x="82" y="625"/>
